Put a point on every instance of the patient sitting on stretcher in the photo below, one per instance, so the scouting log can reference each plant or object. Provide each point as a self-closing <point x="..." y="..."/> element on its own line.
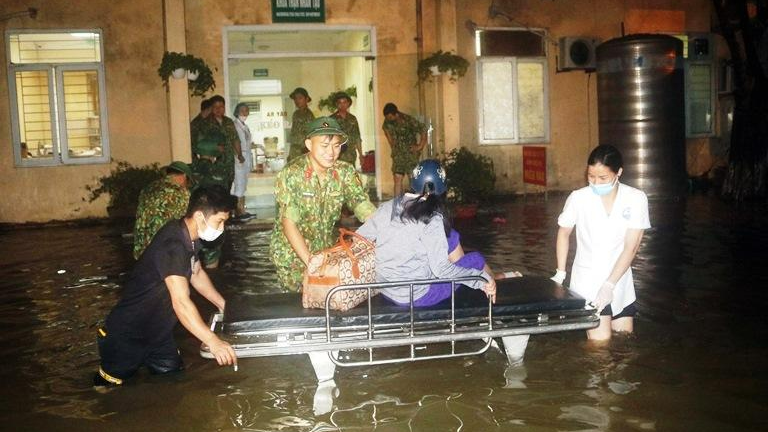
<point x="414" y="240"/>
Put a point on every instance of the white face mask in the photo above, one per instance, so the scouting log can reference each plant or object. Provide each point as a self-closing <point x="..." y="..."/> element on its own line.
<point x="242" y="118"/>
<point x="209" y="233"/>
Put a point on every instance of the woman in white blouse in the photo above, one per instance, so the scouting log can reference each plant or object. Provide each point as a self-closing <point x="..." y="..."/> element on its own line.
<point x="609" y="218"/>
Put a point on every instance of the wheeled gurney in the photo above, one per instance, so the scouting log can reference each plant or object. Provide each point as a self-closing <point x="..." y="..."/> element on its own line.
<point x="465" y="324"/>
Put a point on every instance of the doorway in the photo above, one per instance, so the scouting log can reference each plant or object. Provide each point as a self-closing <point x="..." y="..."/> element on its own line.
<point x="264" y="63"/>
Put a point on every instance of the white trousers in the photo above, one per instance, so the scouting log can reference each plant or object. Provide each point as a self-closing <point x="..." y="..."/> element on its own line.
<point x="241" y="175"/>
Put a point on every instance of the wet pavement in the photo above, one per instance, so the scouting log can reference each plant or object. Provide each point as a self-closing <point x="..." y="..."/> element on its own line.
<point x="696" y="362"/>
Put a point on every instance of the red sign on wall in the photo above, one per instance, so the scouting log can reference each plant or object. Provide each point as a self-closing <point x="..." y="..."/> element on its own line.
<point x="535" y="165"/>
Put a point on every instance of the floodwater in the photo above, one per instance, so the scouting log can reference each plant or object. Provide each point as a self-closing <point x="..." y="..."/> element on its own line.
<point x="697" y="362"/>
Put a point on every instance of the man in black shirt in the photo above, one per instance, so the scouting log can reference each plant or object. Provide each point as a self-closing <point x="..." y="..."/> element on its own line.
<point x="139" y="329"/>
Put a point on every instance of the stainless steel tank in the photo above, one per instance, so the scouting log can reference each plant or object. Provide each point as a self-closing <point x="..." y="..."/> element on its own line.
<point x="641" y="110"/>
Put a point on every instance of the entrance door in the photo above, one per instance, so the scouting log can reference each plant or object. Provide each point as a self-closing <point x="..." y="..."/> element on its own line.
<point x="265" y="63"/>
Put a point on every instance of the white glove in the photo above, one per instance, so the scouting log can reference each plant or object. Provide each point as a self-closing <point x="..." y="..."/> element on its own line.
<point x="604" y="296"/>
<point x="559" y="276"/>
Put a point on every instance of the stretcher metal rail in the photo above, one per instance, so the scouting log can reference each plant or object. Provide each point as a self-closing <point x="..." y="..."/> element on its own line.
<point x="465" y="324"/>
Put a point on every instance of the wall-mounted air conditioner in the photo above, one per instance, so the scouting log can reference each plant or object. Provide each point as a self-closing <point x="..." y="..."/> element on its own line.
<point x="576" y="53"/>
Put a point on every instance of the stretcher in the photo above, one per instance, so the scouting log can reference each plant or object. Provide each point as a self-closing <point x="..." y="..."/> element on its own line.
<point x="379" y="332"/>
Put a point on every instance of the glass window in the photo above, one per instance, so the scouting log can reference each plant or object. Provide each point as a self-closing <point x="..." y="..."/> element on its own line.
<point x="34" y="116"/>
<point x="699" y="95"/>
<point x="57" y="110"/>
<point x="512" y="89"/>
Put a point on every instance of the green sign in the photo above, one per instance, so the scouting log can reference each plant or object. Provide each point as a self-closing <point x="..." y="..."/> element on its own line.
<point x="298" y="11"/>
<point x="261" y="72"/>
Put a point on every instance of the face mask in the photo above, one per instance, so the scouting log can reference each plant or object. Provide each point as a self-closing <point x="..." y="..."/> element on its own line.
<point x="603" y="189"/>
<point x="209" y="234"/>
<point x="242" y="118"/>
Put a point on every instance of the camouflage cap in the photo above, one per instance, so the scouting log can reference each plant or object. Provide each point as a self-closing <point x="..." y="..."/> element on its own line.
<point x="326" y="126"/>
<point x="179" y="167"/>
<point x="341" y="95"/>
<point x="302" y="91"/>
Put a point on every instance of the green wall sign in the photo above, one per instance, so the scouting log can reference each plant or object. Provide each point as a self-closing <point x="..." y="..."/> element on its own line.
<point x="298" y="11"/>
<point x="261" y="72"/>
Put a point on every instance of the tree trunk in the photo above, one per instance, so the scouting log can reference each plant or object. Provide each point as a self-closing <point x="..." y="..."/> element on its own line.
<point x="747" y="174"/>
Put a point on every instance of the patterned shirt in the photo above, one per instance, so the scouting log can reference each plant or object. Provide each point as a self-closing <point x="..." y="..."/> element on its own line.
<point x="352" y="128"/>
<point x="315" y="206"/>
<point x="299" y="121"/>
<point x="159" y="202"/>
<point x="404" y="135"/>
<point x="225" y="164"/>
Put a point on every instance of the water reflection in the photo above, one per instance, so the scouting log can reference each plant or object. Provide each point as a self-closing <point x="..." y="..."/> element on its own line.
<point x="700" y="345"/>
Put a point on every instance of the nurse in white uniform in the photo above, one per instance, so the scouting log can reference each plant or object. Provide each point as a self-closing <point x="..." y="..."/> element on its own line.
<point x="242" y="169"/>
<point x="609" y="218"/>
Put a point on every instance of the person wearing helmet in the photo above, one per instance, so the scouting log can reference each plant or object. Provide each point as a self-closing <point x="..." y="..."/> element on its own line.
<point x="299" y="122"/>
<point x="348" y="122"/>
<point x="412" y="234"/>
<point x="310" y="193"/>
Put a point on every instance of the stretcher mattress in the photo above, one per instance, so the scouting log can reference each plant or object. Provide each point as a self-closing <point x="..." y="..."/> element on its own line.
<point x="515" y="296"/>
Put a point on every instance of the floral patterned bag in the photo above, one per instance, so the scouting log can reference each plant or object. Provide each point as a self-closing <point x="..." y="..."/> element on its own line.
<point x="352" y="260"/>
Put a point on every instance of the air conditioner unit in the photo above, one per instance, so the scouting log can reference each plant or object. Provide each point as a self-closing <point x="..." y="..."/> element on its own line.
<point x="576" y="53"/>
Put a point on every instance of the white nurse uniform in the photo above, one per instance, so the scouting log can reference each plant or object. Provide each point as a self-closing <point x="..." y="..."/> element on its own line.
<point x="600" y="240"/>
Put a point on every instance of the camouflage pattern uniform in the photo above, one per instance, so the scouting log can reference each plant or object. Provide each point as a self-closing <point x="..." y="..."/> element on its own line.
<point x="299" y="122"/>
<point x="225" y="164"/>
<point x="315" y="207"/>
<point x="352" y="128"/>
<point x="159" y="202"/>
<point x="195" y="133"/>
<point x="208" y="173"/>
<point x="404" y="135"/>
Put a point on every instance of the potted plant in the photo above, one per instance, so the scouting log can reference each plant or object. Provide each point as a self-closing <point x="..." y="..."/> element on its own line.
<point x="328" y="103"/>
<point x="442" y="62"/>
<point x="176" y="64"/>
<point x="471" y="180"/>
<point x="123" y="184"/>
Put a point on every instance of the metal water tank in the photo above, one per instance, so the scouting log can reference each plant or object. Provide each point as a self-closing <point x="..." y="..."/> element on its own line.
<point x="641" y="110"/>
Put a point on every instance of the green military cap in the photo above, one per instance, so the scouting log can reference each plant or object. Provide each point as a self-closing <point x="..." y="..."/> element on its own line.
<point x="341" y="95"/>
<point x="179" y="167"/>
<point x="300" y="91"/>
<point x="326" y="126"/>
<point x="208" y="147"/>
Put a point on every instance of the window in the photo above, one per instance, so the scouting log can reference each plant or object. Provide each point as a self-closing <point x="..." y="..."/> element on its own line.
<point x="512" y="86"/>
<point x="699" y="84"/>
<point x="56" y="86"/>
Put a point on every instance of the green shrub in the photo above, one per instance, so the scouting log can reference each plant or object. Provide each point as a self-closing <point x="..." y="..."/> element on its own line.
<point x="123" y="184"/>
<point x="471" y="177"/>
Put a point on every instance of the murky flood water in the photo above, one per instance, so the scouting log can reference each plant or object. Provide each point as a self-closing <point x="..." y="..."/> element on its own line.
<point x="697" y="361"/>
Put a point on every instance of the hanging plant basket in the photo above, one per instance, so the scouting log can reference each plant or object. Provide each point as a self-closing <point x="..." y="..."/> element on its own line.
<point x="442" y="62"/>
<point x="179" y="73"/>
<point x="177" y="65"/>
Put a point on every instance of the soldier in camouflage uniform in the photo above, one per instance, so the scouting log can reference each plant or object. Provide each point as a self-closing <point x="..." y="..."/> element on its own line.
<point x="207" y="172"/>
<point x="407" y="137"/>
<point x="219" y="124"/>
<point x="161" y="201"/>
<point x="348" y="122"/>
<point x="301" y="118"/>
<point x="310" y="192"/>
<point x="195" y="125"/>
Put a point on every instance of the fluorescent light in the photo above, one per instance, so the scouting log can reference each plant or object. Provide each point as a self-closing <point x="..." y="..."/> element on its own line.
<point x="260" y="87"/>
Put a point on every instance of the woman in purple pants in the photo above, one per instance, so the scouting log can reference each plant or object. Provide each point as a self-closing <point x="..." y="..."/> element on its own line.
<point x="414" y="241"/>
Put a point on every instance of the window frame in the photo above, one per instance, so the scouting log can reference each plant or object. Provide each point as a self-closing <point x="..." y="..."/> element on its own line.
<point x="56" y="103"/>
<point x="514" y="61"/>
<point x="712" y="97"/>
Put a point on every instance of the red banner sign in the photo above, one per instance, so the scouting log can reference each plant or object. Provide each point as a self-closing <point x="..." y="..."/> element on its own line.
<point x="535" y="165"/>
